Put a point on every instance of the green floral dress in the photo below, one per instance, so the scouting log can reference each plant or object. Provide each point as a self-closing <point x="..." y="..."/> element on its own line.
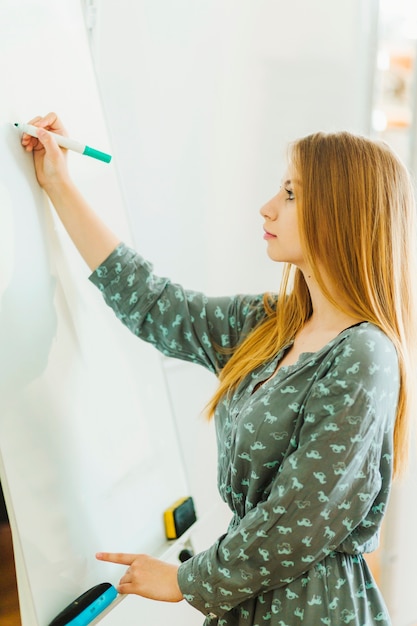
<point x="304" y="459"/>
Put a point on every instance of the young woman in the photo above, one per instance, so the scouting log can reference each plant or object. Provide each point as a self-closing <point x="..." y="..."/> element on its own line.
<point x="315" y="388"/>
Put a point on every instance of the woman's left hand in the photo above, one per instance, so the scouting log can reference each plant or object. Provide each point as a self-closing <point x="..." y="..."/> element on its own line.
<point x="146" y="576"/>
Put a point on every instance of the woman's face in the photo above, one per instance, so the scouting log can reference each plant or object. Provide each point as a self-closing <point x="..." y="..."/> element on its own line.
<point x="281" y="224"/>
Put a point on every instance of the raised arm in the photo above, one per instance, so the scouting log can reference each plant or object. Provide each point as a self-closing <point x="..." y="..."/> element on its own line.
<point x="93" y="239"/>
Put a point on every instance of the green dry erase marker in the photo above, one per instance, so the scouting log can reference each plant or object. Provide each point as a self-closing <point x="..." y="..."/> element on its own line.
<point x="66" y="142"/>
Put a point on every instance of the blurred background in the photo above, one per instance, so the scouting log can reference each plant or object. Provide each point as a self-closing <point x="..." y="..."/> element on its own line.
<point x="201" y="100"/>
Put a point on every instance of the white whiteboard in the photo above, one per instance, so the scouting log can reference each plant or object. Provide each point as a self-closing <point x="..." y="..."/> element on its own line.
<point x="88" y="450"/>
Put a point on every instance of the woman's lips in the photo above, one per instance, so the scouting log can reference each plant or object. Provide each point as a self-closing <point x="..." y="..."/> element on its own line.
<point x="268" y="235"/>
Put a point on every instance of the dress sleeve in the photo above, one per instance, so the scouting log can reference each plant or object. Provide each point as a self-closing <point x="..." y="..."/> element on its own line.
<point x="182" y="324"/>
<point x="328" y="494"/>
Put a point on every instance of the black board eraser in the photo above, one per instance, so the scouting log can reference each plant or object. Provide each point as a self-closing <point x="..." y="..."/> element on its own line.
<point x="179" y="517"/>
<point x="86" y="607"/>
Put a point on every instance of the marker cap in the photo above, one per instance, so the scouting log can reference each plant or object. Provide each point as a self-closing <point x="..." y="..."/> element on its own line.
<point x="96" y="154"/>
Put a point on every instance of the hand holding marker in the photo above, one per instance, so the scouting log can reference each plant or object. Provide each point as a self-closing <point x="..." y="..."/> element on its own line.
<point x="66" y="142"/>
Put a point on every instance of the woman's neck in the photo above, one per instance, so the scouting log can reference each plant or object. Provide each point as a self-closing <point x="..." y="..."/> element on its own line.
<point x="326" y="316"/>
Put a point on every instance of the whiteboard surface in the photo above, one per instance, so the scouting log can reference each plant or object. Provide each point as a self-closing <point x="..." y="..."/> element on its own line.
<point x="88" y="451"/>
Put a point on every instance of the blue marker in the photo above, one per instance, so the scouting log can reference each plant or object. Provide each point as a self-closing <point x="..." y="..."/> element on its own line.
<point x="86" y="607"/>
<point x="66" y="142"/>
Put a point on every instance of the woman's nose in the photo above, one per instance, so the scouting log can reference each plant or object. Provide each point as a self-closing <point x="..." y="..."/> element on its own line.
<point x="268" y="211"/>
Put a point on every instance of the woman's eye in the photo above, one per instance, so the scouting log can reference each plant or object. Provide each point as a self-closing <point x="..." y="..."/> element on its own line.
<point x="290" y="194"/>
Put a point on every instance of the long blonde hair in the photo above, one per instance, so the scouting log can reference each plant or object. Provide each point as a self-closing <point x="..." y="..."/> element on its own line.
<point x="356" y="216"/>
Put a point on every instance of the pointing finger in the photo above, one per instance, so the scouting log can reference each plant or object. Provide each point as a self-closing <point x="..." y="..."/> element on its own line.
<point x="116" y="557"/>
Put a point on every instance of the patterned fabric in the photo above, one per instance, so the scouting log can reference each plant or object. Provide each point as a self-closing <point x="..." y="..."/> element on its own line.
<point x="304" y="459"/>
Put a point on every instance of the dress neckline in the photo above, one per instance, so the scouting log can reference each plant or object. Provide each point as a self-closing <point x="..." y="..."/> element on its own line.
<point x="302" y="357"/>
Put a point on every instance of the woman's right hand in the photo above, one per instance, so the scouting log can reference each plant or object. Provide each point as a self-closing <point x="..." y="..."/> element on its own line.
<point x="94" y="240"/>
<point x="49" y="158"/>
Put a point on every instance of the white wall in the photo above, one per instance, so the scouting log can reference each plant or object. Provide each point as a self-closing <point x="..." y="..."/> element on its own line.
<point x="201" y="99"/>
